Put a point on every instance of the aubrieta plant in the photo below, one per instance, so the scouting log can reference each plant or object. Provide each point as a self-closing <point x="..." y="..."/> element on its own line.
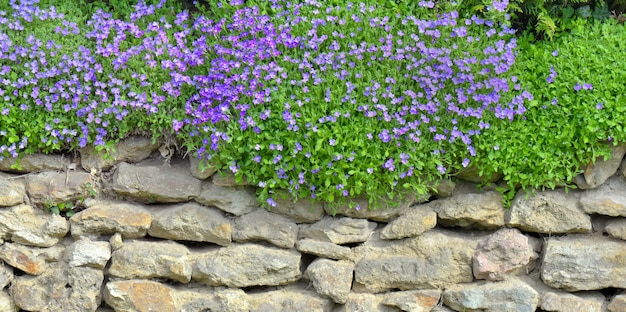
<point x="327" y="101"/>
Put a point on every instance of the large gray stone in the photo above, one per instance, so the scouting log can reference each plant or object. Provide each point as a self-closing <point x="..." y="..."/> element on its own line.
<point x="413" y="300"/>
<point x="191" y="222"/>
<point x="59" y="289"/>
<point x="54" y="187"/>
<point x="88" y="253"/>
<point x="32" y="227"/>
<point x="577" y="262"/>
<point x="234" y="200"/>
<point x="608" y="199"/>
<point x="151" y="183"/>
<point x="11" y="193"/>
<point x="324" y="249"/>
<point x="501" y="252"/>
<point x="104" y="217"/>
<point x="482" y="211"/>
<point x="139" y="295"/>
<point x="247" y="265"/>
<point x="331" y="278"/>
<point x="292" y="298"/>
<point x="548" y="212"/>
<point x="263" y="225"/>
<point x="35" y="163"/>
<point x="415" y="221"/>
<point x="597" y="173"/>
<point x="132" y="149"/>
<point x="384" y="212"/>
<point x="511" y="295"/>
<point x="142" y="259"/>
<point x="301" y="210"/>
<point x="565" y="302"/>
<point x="338" y="230"/>
<point x="434" y="259"/>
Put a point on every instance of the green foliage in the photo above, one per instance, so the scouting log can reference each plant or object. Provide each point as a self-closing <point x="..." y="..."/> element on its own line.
<point x="69" y="208"/>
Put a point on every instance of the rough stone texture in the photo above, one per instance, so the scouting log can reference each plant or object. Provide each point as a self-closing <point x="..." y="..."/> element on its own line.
<point x="383" y="213"/>
<point x="211" y="299"/>
<point x="598" y="173"/>
<point x="35" y="163"/>
<point x="191" y="222"/>
<point x="88" y="253"/>
<point x="338" y="230"/>
<point x="228" y="179"/>
<point x="155" y="184"/>
<point x="618" y="304"/>
<point x="324" y="249"/>
<point x="57" y="187"/>
<point x="132" y="149"/>
<point x="609" y="199"/>
<point x="365" y="302"/>
<point x="26" y="225"/>
<point x="195" y="166"/>
<point x="616" y="228"/>
<point x="415" y="221"/>
<point x="331" y="278"/>
<point x="565" y="302"/>
<point x="511" y="295"/>
<point x="413" y="300"/>
<point x="116" y="241"/>
<point x="6" y="303"/>
<point x="482" y="211"/>
<point x="581" y="262"/>
<point x="434" y="259"/>
<point x="301" y="211"/>
<point x="6" y="276"/>
<point x="247" y="265"/>
<point x="59" y="289"/>
<point x="293" y="298"/>
<point x="234" y="200"/>
<point x="22" y="258"/>
<point x="141" y="259"/>
<point x="443" y="188"/>
<point x="107" y="217"/>
<point x="11" y="193"/>
<point x="544" y="211"/>
<point x="263" y="225"/>
<point x="501" y="252"/>
<point x="138" y="295"/>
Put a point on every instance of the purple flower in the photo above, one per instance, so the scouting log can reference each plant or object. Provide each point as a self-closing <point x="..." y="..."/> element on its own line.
<point x="555" y="53"/>
<point x="271" y="202"/>
<point x="465" y="163"/>
<point x="389" y="165"/>
<point x="599" y="106"/>
<point x="441" y="169"/>
<point x="578" y="87"/>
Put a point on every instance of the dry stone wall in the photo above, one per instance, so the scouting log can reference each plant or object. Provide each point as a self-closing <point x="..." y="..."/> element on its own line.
<point x="155" y="234"/>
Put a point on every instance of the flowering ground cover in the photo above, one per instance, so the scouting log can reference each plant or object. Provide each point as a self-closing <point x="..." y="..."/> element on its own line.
<point x="327" y="100"/>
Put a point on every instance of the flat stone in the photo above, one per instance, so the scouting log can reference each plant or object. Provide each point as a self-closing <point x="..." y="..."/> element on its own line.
<point x="565" y="302"/>
<point x="413" y="222"/>
<point x="608" y="199"/>
<point x="616" y="228"/>
<point x="413" y="300"/>
<point x="201" y="169"/>
<point x="618" y="304"/>
<point x="324" y="249"/>
<point x="338" y="230"/>
<point x="510" y="295"/>
<point x="247" y="265"/>
<point x="11" y="193"/>
<point x="543" y="212"/>
<point x="59" y="289"/>
<point x="139" y="295"/>
<point x="434" y="259"/>
<point x="132" y="149"/>
<point x="191" y="222"/>
<point x="26" y="225"/>
<point x="290" y="298"/>
<point x="301" y="211"/>
<point x="142" y="259"/>
<point x="384" y="212"/>
<point x="501" y="252"/>
<point x="55" y="187"/>
<point x="211" y="299"/>
<point x="35" y="163"/>
<point x="85" y="252"/>
<point x="331" y="278"/>
<point x="234" y="200"/>
<point x="597" y="173"/>
<point x="155" y="184"/>
<point x="579" y="262"/>
<point x="480" y="211"/>
<point x="261" y="225"/>
<point x="22" y="258"/>
<point x="104" y="217"/>
<point x="365" y="302"/>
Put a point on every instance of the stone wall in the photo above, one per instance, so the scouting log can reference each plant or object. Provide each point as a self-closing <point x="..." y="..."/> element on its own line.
<point x="156" y="234"/>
